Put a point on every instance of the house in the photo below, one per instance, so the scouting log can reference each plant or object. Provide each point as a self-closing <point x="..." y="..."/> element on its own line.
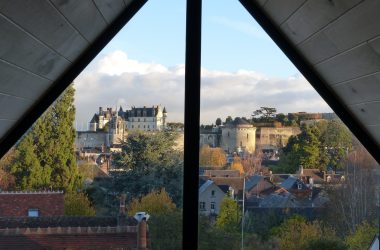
<point x="221" y="173"/>
<point x="257" y="184"/>
<point x="31" y="204"/>
<point x="296" y="186"/>
<point x="210" y="197"/>
<point x="35" y="220"/>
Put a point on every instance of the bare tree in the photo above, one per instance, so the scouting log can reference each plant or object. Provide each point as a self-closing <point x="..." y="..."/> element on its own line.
<point x="354" y="199"/>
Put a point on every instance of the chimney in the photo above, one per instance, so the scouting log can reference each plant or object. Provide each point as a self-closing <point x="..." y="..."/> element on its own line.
<point x="141" y="235"/>
<point x="100" y="110"/>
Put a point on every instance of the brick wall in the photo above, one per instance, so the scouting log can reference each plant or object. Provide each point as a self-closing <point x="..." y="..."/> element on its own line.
<point x="13" y="204"/>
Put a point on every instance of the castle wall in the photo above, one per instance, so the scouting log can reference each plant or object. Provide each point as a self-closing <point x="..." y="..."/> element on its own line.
<point x="275" y="138"/>
<point x="209" y="139"/>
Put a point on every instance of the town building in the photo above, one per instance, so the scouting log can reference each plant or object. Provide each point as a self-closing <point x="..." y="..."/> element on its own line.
<point x="210" y="197"/>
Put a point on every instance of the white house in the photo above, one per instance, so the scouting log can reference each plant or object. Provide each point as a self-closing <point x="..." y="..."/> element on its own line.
<point x="210" y="197"/>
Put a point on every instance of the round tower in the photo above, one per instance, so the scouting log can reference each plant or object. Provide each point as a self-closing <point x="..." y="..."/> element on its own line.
<point x="239" y="136"/>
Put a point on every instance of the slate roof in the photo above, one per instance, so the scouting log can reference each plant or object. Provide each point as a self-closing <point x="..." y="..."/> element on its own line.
<point x="95" y="119"/>
<point x="205" y="185"/>
<point x="291" y="183"/>
<point x="253" y="181"/>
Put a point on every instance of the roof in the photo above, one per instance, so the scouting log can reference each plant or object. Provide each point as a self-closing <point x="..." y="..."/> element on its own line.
<point x="238" y="122"/>
<point x="95" y="119"/>
<point x="205" y="185"/>
<point x="253" y="181"/>
<point x="289" y="183"/>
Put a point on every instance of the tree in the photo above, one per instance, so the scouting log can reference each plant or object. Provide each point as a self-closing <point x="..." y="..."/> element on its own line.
<point x="264" y="114"/>
<point x="78" y="204"/>
<point x="303" y="149"/>
<point x="336" y="140"/>
<point x="228" y="120"/>
<point x="212" y="157"/>
<point x="296" y="233"/>
<point x="237" y="165"/>
<point x="175" y="126"/>
<point x="165" y="231"/>
<point x="154" y="203"/>
<point x="218" y="122"/>
<point x="142" y="151"/>
<point x="7" y="180"/>
<point x="229" y="215"/>
<point x="362" y="237"/>
<point x="355" y="200"/>
<point x="45" y="154"/>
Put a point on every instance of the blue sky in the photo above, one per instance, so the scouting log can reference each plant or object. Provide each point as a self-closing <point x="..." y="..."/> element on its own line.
<point x="231" y="38"/>
<point x="242" y="68"/>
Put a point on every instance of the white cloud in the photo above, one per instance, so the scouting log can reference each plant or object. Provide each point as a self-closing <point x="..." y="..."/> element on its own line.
<point x="114" y="80"/>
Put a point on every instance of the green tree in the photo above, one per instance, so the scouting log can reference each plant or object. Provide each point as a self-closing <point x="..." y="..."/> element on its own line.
<point x="7" y="180"/>
<point x="218" y="122"/>
<point x="296" y="233"/>
<point x="336" y="141"/>
<point x="362" y="238"/>
<point x="154" y="203"/>
<point x="46" y="157"/>
<point x="78" y="204"/>
<point x="228" y="119"/>
<point x="264" y="114"/>
<point x="165" y="231"/>
<point x="142" y="151"/>
<point x="229" y="215"/>
<point x="303" y="149"/>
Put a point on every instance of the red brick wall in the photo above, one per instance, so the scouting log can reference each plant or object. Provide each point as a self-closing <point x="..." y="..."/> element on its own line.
<point x="17" y="204"/>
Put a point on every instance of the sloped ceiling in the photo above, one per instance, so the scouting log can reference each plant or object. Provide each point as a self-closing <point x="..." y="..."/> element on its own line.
<point x="336" y="45"/>
<point x="44" y="45"/>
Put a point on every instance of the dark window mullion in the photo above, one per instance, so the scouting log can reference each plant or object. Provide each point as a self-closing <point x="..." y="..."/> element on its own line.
<point x="192" y="114"/>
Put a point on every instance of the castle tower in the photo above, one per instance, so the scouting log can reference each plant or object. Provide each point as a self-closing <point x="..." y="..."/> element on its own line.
<point x="239" y="136"/>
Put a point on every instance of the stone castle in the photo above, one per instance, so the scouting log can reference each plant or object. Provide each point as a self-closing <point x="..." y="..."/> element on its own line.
<point x="241" y="136"/>
<point x="109" y="127"/>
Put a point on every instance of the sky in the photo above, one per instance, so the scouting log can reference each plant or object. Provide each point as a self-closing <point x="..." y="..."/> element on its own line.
<point x="242" y="68"/>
